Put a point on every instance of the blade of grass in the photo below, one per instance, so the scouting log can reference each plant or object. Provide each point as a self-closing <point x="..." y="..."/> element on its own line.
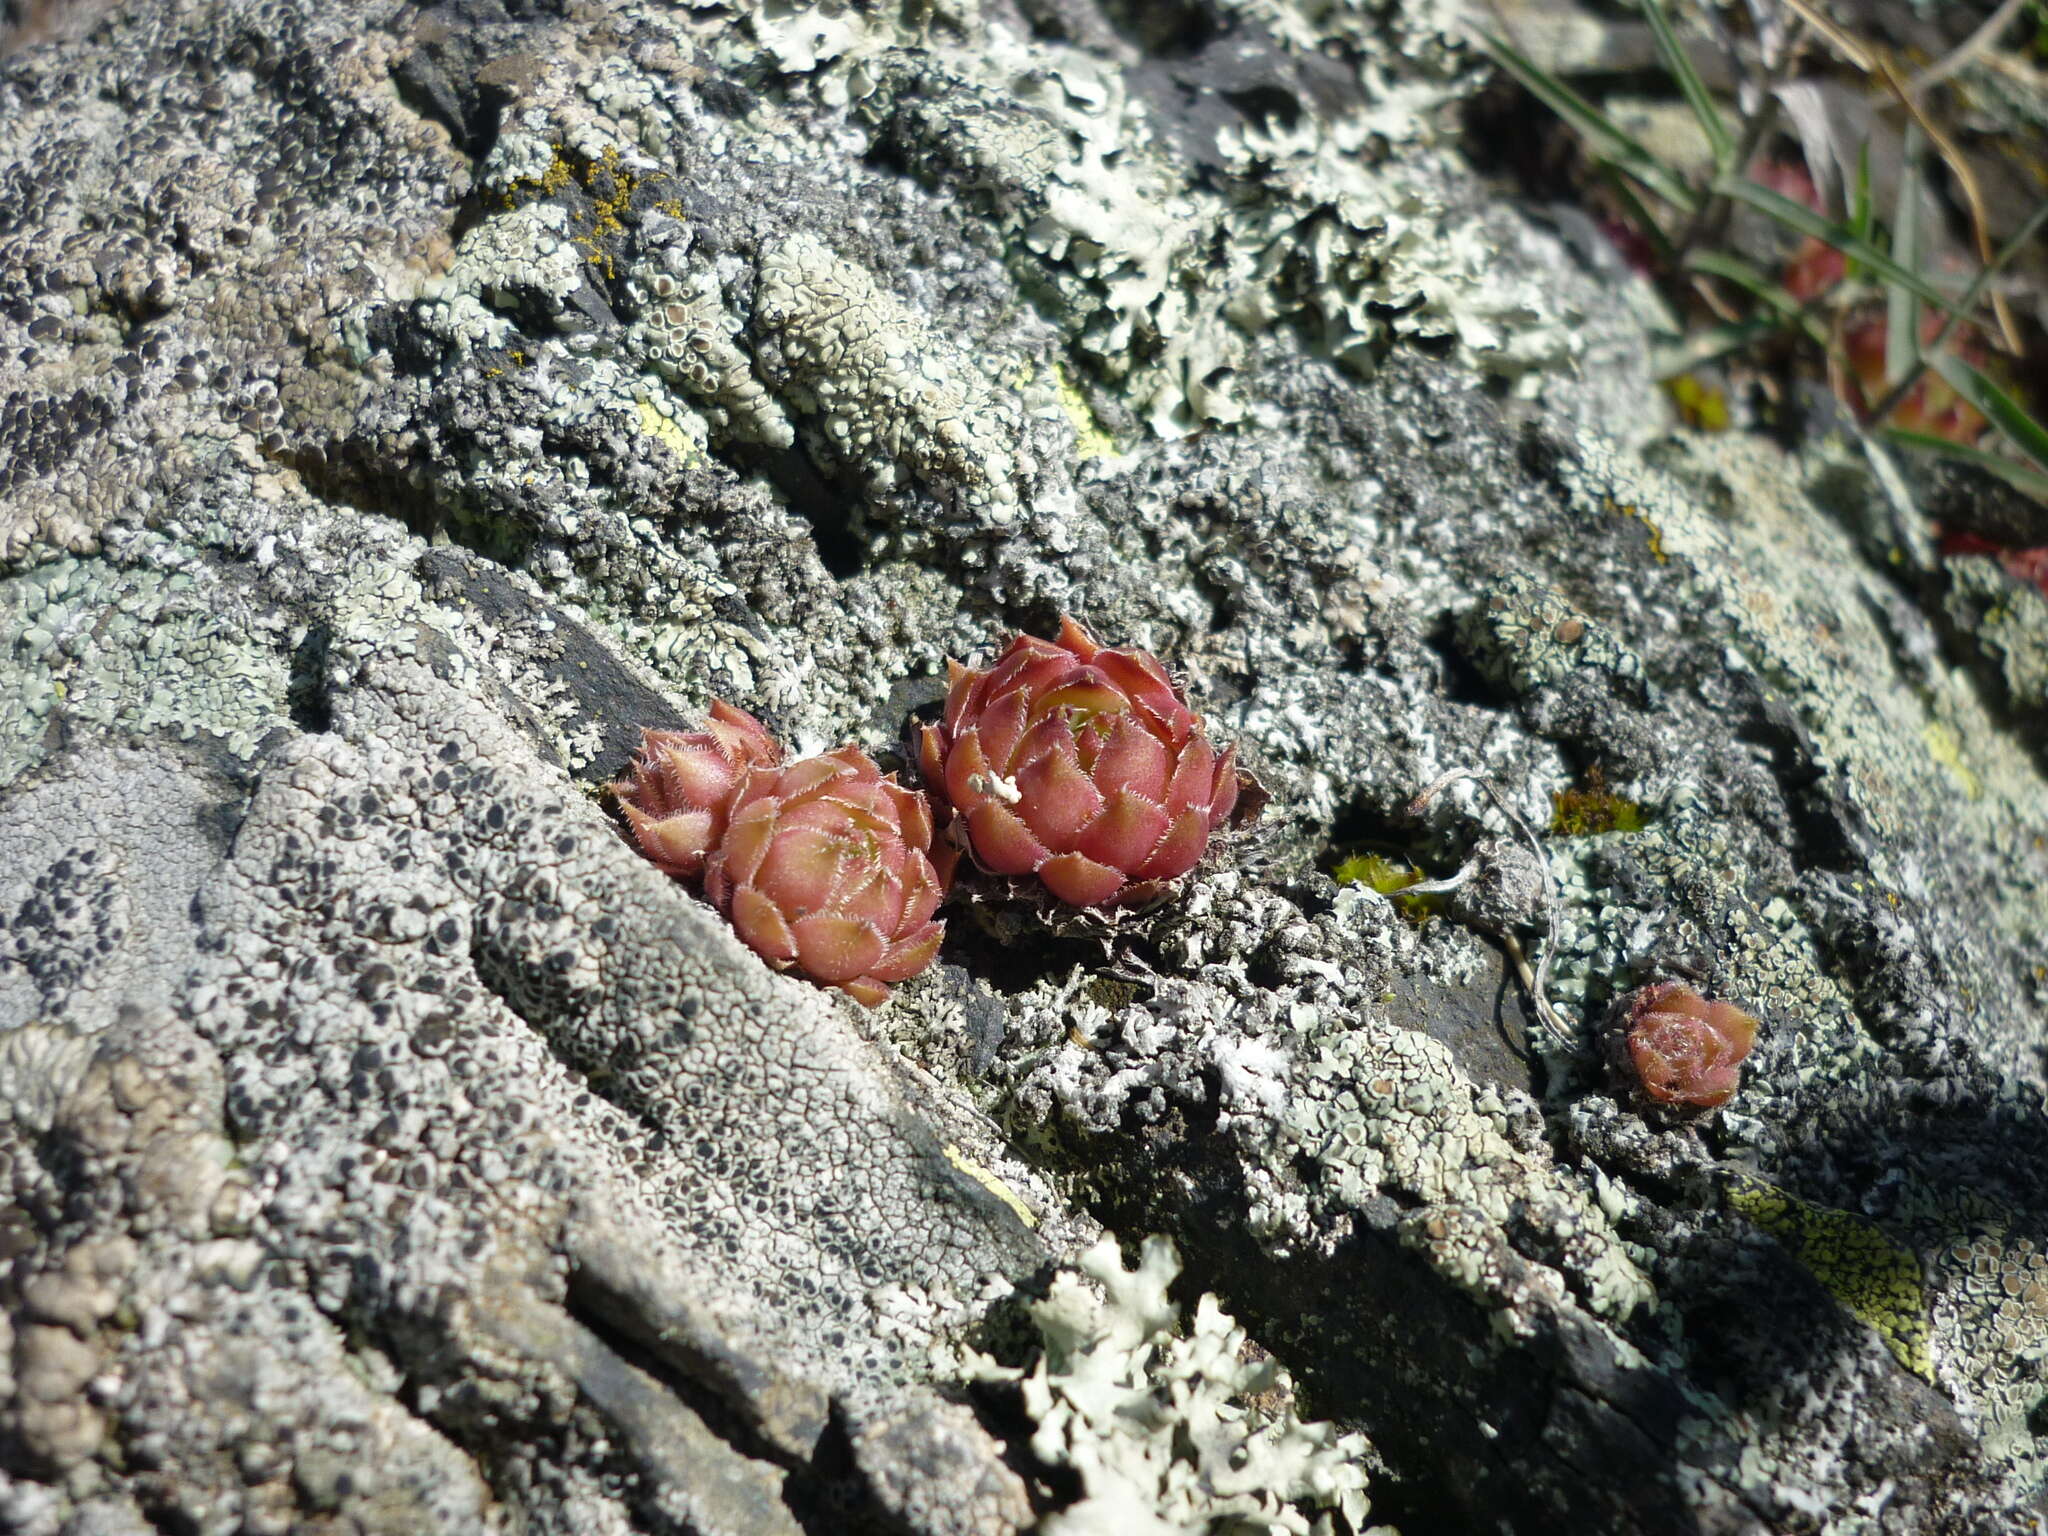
<point x="1733" y="269"/>
<point x="1965" y="174"/>
<point x="1716" y="341"/>
<point x="1697" y="96"/>
<point x="1611" y="141"/>
<point x="1862" y="216"/>
<point x="2034" y="484"/>
<point x="2003" y="412"/>
<point x="1798" y="216"/>
<point x="2013" y="247"/>
<point x="1644" y="220"/>
<point x="1901" y="309"/>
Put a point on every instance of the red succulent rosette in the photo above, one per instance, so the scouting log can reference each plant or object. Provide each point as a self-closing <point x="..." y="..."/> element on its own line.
<point x="825" y="866"/>
<point x="1932" y="405"/>
<point x="1685" y="1050"/>
<point x="1080" y="764"/>
<point x="682" y="783"/>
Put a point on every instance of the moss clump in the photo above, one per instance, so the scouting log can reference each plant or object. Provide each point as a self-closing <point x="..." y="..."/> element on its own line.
<point x="1390" y="877"/>
<point x="1591" y="808"/>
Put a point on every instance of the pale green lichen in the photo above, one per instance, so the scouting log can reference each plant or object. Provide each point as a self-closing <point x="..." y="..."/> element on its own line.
<point x="133" y="651"/>
<point x="1723" y="508"/>
<point x="692" y="337"/>
<point x="2006" y="620"/>
<point x="888" y="395"/>
<point x="1174" y="1425"/>
<point x="1167" y="288"/>
<point x="1524" y="636"/>
<point x="1987" y="1279"/>
<point x="1383" y="1108"/>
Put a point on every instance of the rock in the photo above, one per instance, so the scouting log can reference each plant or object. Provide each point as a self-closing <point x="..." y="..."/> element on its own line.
<point x="401" y="406"/>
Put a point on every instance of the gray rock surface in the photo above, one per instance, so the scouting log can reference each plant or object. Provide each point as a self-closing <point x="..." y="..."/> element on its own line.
<point x="400" y="406"/>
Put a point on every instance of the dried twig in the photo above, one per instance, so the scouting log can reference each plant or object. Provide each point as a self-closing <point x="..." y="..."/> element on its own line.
<point x="1536" y="984"/>
<point x="1969" y="48"/>
<point x="1874" y="63"/>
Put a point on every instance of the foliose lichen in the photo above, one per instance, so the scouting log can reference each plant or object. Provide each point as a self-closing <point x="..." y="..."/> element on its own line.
<point x="1170" y="1419"/>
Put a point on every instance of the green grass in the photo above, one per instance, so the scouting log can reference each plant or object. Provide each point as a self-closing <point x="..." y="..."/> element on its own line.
<point x="1887" y="257"/>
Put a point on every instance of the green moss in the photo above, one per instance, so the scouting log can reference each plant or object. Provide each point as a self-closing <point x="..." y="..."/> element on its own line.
<point x="1700" y="404"/>
<point x="1390" y="878"/>
<point x="1111" y="992"/>
<point x="1592" y="808"/>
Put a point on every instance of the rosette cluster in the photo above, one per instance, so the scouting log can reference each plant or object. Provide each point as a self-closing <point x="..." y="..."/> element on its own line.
<point x="1685" y="1050"/>
<point x="823" y="865"/>
<point x="1080" y="764"/>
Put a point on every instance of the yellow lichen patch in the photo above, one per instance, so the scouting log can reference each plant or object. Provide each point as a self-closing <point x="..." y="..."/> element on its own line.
<point x="1090" y="441"/>
<point x="608" y="184"/>
<point x="1946" y="748"/>
<point x="1875" y="1279"/>
<point x="1390" y="878"/>
<point x="1656" y="534"/>
<point x="991" y="1183"/>
<point x="656" y="425"/>
<point x="1703" y="406"/>
<point x="525" y="189"/>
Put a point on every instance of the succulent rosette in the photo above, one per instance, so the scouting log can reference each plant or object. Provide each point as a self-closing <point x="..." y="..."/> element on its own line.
<point x="1080" y="764"/>
<point x="825" y="866"/>
<point x="1685" y="1050"/>
<point x="680" y="791"/>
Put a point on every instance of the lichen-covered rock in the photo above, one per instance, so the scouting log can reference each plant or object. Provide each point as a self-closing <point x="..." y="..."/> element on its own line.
<point x="1180" y="1433"/>
<point x="402" y="407"/>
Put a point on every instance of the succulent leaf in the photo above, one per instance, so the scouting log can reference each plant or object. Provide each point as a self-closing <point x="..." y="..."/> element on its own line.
<point x="1685" y="1050"/>
<point x="683" y="785"/>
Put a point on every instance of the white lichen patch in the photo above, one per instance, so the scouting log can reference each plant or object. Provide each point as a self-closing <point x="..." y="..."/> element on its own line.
<point x="693" y="338"/>
<point x="1173" y="1425"/>
<point x="889" y="396"/>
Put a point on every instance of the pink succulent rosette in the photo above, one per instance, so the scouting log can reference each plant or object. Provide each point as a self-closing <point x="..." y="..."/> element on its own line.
<point x="1685" y="1050"/>
<point x="682" y="784"/>
<point x="1079" y="764"/>
<point x="825" y="866"/>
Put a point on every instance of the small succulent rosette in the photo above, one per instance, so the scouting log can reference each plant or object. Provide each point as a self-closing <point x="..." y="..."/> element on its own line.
<point x="1079" y="764"/>
<point x="680" y="790"/>
<point x="1680" y="1051"/>
<point x="825" y="867"/>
